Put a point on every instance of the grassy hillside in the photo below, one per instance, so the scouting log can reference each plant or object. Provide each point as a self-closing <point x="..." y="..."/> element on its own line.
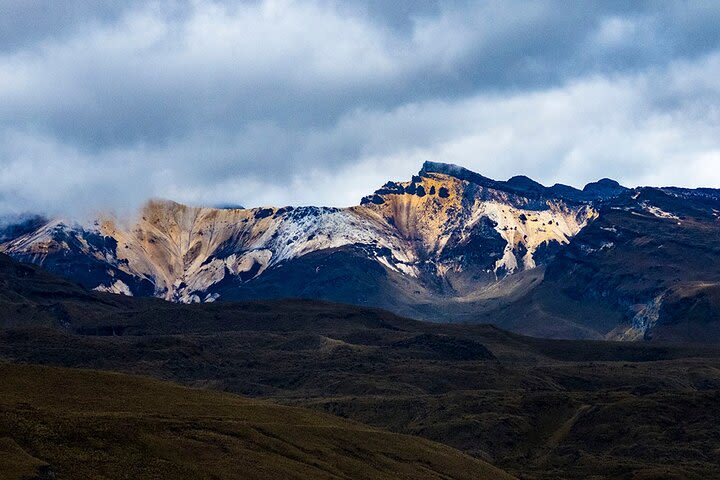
<point x="64" y="423"/>
<point x="537" y="408"/>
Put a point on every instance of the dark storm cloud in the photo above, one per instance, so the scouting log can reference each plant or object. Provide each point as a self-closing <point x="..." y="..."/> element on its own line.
<point x="318" y="101"/>
<point x="26" y="22"/>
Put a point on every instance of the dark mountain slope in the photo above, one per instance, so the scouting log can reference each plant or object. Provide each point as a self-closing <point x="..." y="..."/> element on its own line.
<point x="652" y="258"/>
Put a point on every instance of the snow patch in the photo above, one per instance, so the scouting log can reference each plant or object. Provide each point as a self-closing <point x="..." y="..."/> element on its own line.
<point x="117" y="287"/>
<point x="659" y="213"/>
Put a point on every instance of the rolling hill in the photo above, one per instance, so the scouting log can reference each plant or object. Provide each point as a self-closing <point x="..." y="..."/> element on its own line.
<point x="64" y="423"/>
<point x="536" y="408"/>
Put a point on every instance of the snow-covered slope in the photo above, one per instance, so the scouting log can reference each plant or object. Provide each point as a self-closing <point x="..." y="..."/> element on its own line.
<point x="446" y="226"/>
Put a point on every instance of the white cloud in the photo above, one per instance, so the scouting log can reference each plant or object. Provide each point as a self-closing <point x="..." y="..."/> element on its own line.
<point x="616" y="31"/>
<point x="288" y="102"/>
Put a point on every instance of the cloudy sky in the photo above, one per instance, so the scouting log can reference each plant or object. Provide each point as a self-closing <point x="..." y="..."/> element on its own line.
<point x="106" y="103"/>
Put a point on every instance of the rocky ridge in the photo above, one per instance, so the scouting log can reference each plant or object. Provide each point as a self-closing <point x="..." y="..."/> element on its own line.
<point x="441" y="221"/>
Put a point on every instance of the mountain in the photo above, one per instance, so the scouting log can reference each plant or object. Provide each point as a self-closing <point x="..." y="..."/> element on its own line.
<point x="14" y="226"/>
<point x="448" y="245"/>
<point x="653" y="257"/>
<point x="444" y="232"/>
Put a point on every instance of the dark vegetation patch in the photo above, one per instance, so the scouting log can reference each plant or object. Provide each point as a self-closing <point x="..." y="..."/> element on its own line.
<point x="442" y="346"/>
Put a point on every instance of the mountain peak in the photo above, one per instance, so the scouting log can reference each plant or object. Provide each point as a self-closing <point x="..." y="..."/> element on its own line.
<point x="461" y="173"/>
<point x="525" y="183"/>
<point x="440" y="167"/>
<point x="605" y="182"/>
<point x="449" y="169"/>
<point x="604" y="188"/>
<point x="519" y="184"/>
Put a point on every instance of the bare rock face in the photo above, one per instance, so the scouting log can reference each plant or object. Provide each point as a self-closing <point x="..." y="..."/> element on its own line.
<point x="450" y="224"/>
